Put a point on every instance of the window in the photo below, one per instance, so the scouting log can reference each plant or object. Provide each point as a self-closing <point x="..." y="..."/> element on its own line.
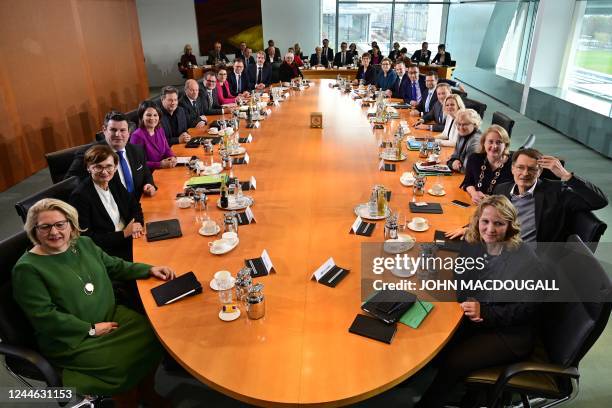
<point x="415" y="23"/>
<point x="590" y="67"/>
<point x="328" y="22"/>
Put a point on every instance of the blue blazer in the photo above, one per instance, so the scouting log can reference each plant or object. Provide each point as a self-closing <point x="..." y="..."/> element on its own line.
<point x="383" y="83"/>
<point x="266" y="75"/>
<point x="244" y="82"/>
<point x="400" y="90"/>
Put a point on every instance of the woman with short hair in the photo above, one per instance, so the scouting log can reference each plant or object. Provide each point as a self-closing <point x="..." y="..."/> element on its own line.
<point x="468" y="123"/>
<point x="387" y="76"/>
<point x="223" y="89"/>
<point x="151" y="136"/>
<point x="366" y="71"/>
<point x="452" y="104"/>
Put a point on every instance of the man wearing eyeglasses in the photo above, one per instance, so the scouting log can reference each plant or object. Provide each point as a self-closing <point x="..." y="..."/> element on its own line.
<point x="208" y="95"/>
<point x="132" y="172"/>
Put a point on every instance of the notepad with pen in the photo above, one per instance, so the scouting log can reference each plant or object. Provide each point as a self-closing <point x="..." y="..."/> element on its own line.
<point x="176" y="289"/>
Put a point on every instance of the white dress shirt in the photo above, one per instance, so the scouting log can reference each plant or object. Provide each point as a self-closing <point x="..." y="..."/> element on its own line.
<point x="449" y="135"/>
<point x="111" y="207"/>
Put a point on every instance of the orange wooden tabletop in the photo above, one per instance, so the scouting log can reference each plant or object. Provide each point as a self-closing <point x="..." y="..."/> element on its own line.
<point x="308" y="182"/>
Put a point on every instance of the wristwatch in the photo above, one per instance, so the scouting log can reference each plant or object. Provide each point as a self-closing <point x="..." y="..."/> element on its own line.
<point x="92" y="331"/>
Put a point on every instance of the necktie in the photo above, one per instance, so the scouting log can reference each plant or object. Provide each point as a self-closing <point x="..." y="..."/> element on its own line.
<point x="397" y="88"/>
<point x="125" y="169"/>
<point x="238" y="87"/>
<point x="259" y="75"/>
<point x="210" y="100"/>
<point x="343" y="58"/>
<point x="414" y="94"/>
<point x="427" y="101"/>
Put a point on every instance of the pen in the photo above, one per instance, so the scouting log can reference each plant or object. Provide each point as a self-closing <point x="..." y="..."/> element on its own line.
<point x="179" y="297"/>
<point x="335" y="276"/>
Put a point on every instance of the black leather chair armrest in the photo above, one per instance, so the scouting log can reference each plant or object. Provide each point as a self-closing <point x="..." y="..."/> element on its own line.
<point x="51" y="375"/>
<point x="525" y="367"/>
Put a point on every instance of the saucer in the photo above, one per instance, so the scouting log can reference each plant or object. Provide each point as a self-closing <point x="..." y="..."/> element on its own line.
<point x="209" y="234"/>
<point x="362" y="211"/>
<point x="228" y="317"/>
<point x="392" y="156"/>
<point x="244" y="202"/>
<point x="412" y="227"/>
<point x="408" y="182"/>
<point x="215" y="169"/>
<point x="401" y="244"/>
<point x="225" y="249"/>
<point x="236" y="152"/>
<point x="431" y="192"/>
<point x="213" y="285"/>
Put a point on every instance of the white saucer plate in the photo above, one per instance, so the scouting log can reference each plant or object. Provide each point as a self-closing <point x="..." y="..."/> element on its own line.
<point x="401" y="244"/>
<point x="431" y="192"/>
<point x="362" y="211"/>
<point x="225" y="249"/>
<point x="236" y="152"/>
<point x="412" y="227"/>
<point x="393" y="157"/>
<point x="229" y="317"/>
<point x="244" y="202"/>
<point x="213" y="283"/>
<point x="209" y="234"/>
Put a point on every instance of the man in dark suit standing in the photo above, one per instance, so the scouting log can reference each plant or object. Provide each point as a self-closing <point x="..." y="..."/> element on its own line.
<point x="132" y="171"/>
<point x="174" y="118"/>
<point x="248" y="59"/>
<point x="423" y="55"/>
<point x="344" y="57"/>
<point x="277" y="53"/>
<point x="241" y="51"/>
<point x="215" y="56"/>
<point x="192" y="105"/>
<point x="239" y="80"/>
<point x="260" y="74"/>
<point x="318" y="58"/>
<point x="208" y="95"/>
<point x="328" y="52"/>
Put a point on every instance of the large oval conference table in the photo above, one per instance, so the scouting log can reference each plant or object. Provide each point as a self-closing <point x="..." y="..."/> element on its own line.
<point x="308" y="183"/>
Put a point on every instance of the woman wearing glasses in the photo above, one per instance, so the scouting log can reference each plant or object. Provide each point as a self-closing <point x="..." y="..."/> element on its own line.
<point x="107" y="212"/>
<point x="468" y="123"/>
<point x="151" y="136"/>
<point x="63" y="286"/>
<point x="386" y="77"/>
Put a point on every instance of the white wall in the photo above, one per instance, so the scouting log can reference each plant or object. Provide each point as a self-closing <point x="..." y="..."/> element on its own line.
<point x="287" y="22"/>
<point x="165" y="27"/>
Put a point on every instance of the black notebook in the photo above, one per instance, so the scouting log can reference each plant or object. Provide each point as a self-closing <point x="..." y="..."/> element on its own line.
<point x="373" y="328"/>
<point x="389" y="305"/>
<point x="176" y="289"/>
<point x="448" y="244"/>
<point x="160" y="230"/>
<point x="430" y="208"/>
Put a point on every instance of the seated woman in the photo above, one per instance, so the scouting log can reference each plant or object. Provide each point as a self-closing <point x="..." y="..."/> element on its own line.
<point x="109" y="214"/>
<point x="223" y="88"/>
<point x="297" y="52"/>
<point x="296" y="58"/>
<point x="187" y="59"/>
<point x="496" y="328"/>
<point x="377" y="56"/>
<point x="468" y="123"/>
<point x="289" y="69"/>
<point x="395" y="52"/>
<point x="271" y="57"/>
<point x="386" y="77"/>
<point x="365" y="71"/>
<point x="490" y="166"/>
<point x="442" y="57"/>
<point x="63" y="285"/>
<point x="150" y="135"/>
<point x="452" y="104"/>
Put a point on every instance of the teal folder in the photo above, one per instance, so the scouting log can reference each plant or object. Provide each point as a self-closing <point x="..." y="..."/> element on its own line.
<point x="416" y="314"/>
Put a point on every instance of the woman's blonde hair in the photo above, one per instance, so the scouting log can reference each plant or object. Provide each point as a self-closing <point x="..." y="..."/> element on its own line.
<point x="51" y="204"/>
<point x="503" y="134"/>
<point x="506" y="211"/>
<point x="471" y="115"/>
<point x="457" y="100"/>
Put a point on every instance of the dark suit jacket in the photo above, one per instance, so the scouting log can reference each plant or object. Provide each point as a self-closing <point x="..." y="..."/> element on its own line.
<point x="394" y="54"/>
<point x="418" y="56"/>
<point x="348" y="59"/>
<point x="212" y="56"/>
<point x="266" y="75"/>
<point x="239" y="54"/>
<point x="183" y="123"/>
<point x="432" y="102"/>
<point x="287" y="72"/>
<point x="315" y="61"/>
<point x="244" y="82"/>
<point x="437" y="115"/>
<point x="400" y="88"/>
<point x="447" y="58"/>
<point x="277" y="54"/>
<point x="141" y="174"/>
<point x="556" y="202"/>
<point x="193" y="112"/>
<point x="207" y="108"/>
<point x="248" y="62"/>
<point x="329" y="54"/>
<point x="95" y="219"/>
<point x="369" y="76"/>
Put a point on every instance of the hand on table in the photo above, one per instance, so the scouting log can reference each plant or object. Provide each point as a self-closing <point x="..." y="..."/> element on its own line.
<point x="162" y="272"/>
<point x="415" y="112"/>
<point x="133" y="229"/>
<point x="199" y="125"/>
<point x="149" y="190"/>
<point x="477" y="196"/>
<point x="457" y="165"/>
<point x="185" y="137"/>
<point x="168" y="162"/>
<point x="103" y="328"/>
<point x="456" y="233"/>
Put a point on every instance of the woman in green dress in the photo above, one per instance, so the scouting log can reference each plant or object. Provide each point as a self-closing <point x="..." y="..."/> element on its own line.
<point x="63" y="285"/>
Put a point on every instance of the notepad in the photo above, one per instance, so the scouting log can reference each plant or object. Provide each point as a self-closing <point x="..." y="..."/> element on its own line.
<point x="416" y="314"/>
<point x="428" y="208"/>
<point x="373" y="328"/>
<point x="176" y="289"/>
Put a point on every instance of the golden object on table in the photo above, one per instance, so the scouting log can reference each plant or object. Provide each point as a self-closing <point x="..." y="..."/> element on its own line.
<point x="316" y="120"/>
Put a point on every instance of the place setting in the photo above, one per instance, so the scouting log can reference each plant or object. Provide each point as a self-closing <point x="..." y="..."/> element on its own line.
<point x="377" y="207"/>
<point x="228" y="241"/>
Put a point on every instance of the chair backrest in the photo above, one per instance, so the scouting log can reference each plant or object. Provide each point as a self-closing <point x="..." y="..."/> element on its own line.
<point x="59" y="162"/>
<point x="570" y="329"/>
<point x="588" y="227"/>
<point x="462" y="94"/>
<point x="61" y="191"/>
<point x="504" y="121"/>
<point x="477" y="106"/>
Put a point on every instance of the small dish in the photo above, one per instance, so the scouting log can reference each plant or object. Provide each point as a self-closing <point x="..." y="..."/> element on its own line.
<point x="431" y="192"/>
<point x="362" y="211"/>
<point x="408" y="182"/>
<point x="238" y="151"/>
<point x="393" y="156"/>
<point x="414" y="228"/>
<point x="226" y="248"/>
<point x="402" y="243"/>
<point x="209" y="234"/>
<point x="213" y="131"/>
<point x="229" y="317"/>
<point x="232" y="204"/>
<point x="213" y="285"/>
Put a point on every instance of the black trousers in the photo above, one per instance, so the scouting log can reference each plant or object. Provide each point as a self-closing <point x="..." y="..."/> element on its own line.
<point x="471" y="348"/>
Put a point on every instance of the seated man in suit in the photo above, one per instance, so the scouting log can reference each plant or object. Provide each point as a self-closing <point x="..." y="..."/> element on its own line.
<point x="248" y="59"/>
<point x="215" y="56"/>
<point x="344" y="57"/>
<point x="328" y="52"/>
<point x="318" y="58"/>
<point x="241" y="51"/>
<point x="132" y="172"/>
<point x="271" y="57"/>
<point x="416" y="88"/>
<point x="400" y="87"/>
<point x="423" y="55"/>
<point x="260" y="74"/>
<point x="239" y="80"/>
<point x="209" y="97"/>
<point x="395" y="52"/>
<point x="436" y="113"/>
<point x="428" y="84"/>
<point x="442" y="57"/>
<point x="174" y="118"/>
<point x="277" y="53"/>
<point x="192" y="105"/>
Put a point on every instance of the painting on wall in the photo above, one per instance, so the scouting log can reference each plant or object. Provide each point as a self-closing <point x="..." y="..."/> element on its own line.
<point x="229" y="22"/>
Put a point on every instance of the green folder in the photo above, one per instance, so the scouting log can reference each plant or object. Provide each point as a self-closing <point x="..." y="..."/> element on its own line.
<point x="416" y="314"/>
<point x="200" y="180"/>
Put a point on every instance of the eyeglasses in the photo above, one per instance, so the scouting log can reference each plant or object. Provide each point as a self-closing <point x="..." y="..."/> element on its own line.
<point x="459" y="124"/>
<point x="60" y="226"/>
<point x="99" y="169"/>
<point x="221" y="74"/>
<point x="212" y="81"/>
<point x="531" y="170"/>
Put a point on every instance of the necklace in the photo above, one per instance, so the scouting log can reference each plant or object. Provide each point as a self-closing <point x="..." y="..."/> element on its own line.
<point x="495" y="175"/>
<point x="88" y="287"/>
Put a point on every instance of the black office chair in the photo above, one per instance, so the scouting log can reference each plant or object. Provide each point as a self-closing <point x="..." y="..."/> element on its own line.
<point x="59" y="162"/>
<point x="132" y="117"/>
<point x="61" y="191"/>
<point x="275" y="72"/>
<point x="504" y="121"/>
<point x="568" y="332"/>
<point x="588" y="227"/>
<point x="462" y="94"/>
<point x="477" y="106"/>
<point x="100" y="136"/>
<point x="529" y="142"/>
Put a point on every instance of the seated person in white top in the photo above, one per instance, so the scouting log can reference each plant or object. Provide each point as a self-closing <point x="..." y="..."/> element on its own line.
<point x="452" y="104"/>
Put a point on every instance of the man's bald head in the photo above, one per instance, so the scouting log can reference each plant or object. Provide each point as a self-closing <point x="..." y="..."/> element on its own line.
<point x="192" y="89"/>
